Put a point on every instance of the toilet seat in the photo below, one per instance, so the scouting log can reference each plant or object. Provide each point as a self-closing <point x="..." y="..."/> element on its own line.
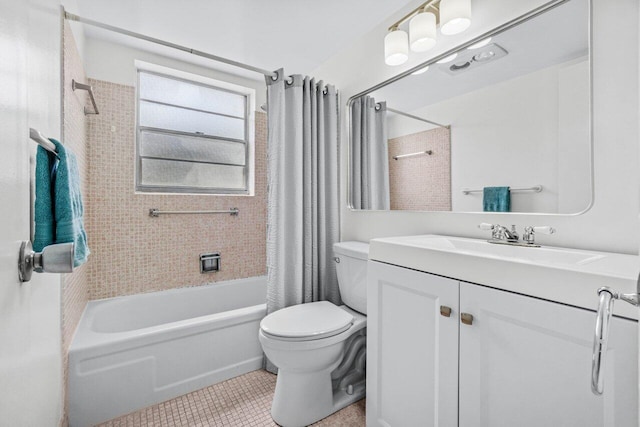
<point x="306" y="322"/>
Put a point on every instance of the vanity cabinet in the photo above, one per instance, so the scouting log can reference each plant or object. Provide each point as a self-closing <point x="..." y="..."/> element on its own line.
<point x="516" y="360"/>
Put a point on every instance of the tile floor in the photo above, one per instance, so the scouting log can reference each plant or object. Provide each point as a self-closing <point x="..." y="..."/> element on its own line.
<point x="244" y="401"/>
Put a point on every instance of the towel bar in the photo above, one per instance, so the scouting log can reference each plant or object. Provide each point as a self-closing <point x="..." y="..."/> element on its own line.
<point x="419" y="153"/>
<point x="42" y="141"/>
<point x="154" y="213"/>
<point x="535" y="188"/>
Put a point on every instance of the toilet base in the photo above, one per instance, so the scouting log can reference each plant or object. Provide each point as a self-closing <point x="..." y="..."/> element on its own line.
<point x="302" y="399"/>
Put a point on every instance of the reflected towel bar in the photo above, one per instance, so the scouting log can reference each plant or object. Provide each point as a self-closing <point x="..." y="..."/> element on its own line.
<point x="81" y="86"/>
<point x="154" y="213"/>
<point x="42" y="141"/>
<point x="535" y="188"/>
<point x="419" y="153"/>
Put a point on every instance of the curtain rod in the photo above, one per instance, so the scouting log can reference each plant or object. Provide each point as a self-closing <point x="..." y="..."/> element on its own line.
<point x="72" y="17"/>
<point x="393" y="110"/>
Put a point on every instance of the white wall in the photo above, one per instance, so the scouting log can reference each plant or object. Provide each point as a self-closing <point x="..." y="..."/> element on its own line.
<point x="611" y="224"/>
<point x="114" y="62"/>
<point x="30" y="354"/>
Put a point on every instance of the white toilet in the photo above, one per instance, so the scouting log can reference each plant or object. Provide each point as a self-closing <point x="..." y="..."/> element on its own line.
<point x="320" y="348"/>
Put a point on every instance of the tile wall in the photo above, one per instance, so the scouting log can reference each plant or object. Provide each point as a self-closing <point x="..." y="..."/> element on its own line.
<point x="422" y="182"/>
<point x="75" y="285"/>
<point x="134" y="253"/>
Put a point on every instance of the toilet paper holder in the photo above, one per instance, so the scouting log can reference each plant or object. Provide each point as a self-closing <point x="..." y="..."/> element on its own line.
<point x="53" y="259"/>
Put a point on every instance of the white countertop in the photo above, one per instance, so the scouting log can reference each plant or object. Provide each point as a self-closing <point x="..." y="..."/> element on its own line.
<point x="574" y="282"/>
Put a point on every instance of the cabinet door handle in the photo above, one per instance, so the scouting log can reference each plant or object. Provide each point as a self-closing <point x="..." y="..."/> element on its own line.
<point x="600" y="339"/>
<point x="466" y="318"/>
<point x="445" y="311"/>
<point x="601" y="336"/>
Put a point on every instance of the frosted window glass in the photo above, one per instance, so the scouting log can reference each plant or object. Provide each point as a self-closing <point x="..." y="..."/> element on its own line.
<point x="181" y="147"/>
<point x="179" y="119"/>
<point x="171" y="173"/>
<point x="192" y="137"/>
<point x="192" y="95"/>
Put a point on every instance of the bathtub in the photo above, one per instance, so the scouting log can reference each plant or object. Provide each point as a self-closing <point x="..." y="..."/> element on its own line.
<point x="135" y="351"/>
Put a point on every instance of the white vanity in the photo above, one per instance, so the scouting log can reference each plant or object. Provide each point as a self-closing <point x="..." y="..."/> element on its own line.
<point x="466" y="333"/>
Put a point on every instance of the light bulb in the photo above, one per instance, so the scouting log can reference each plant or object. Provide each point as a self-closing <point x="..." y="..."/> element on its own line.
<point x="422" y="32"/>
<point x="396" y="47"/>
<point x="455" y="16"/>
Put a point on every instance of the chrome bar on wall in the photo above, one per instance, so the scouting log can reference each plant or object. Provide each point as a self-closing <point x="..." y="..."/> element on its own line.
<point x="82" y="86"/>
<point x="419" y="153"/>
<point x="535" y="188"/>
<point x="72" y="17"/>
<point x="411" y="116"/>
<point x="154" y="213"/>
<point x="42" y="141"/>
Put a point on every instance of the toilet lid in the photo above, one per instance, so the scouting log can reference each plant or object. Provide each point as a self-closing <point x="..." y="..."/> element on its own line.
<point x="310" y="321"/>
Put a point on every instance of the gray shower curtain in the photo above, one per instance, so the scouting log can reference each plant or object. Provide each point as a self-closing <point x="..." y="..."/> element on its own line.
<point x="302" y="211"/>
<point x="369" y="155"/>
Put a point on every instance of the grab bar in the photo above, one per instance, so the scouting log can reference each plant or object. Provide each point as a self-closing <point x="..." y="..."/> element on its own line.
<point x="75" y="85"/>
<point x="154" y="213"/>
<point x="601" y="335"/>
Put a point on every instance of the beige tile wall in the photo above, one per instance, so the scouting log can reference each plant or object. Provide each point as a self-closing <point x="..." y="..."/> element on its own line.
<point x="134" y="253"/>
<point x="421" y="182"/>
<point x="74" y="286"/>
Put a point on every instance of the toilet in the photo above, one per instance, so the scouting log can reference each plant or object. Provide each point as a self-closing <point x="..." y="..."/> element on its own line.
<point x="320" y="348"/>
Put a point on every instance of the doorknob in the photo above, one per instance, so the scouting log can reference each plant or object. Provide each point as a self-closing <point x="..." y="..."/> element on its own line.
<point x="445" y="311"/>
<point x="466" y="318"/>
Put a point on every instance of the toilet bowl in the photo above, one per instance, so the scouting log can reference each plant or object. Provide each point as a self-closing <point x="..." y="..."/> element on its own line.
<point x="319" y="348"/>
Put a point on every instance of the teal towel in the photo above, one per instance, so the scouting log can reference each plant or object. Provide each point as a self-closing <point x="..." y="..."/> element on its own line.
<point x="496" y="199"/>
<point x="58" y="206"/>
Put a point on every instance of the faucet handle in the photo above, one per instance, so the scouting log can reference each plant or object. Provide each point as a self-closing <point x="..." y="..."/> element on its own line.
<point x="486" y="226"/>
<point x="545" y="229"/>
<point x="529" y="235"/>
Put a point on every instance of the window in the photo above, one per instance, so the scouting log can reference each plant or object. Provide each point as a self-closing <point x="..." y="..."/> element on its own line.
<point x="194" y="134"/>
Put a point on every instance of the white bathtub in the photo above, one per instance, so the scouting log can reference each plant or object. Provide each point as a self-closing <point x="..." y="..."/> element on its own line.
<point x="131" y="352"/>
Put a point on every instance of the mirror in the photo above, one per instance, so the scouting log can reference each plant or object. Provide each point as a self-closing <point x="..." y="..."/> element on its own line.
<point x="512" y="110"/>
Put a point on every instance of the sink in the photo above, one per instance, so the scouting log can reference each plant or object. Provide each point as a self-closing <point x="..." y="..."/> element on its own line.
<point x="543" y="255"/>
<point x="565" y="275"/>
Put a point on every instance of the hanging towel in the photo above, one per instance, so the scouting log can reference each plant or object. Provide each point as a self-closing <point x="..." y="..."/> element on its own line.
<point x="58" y="207"/>
<point x="496" y="199"/>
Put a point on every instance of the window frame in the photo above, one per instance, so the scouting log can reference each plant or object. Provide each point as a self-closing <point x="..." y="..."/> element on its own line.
<point x="207" y="82"/>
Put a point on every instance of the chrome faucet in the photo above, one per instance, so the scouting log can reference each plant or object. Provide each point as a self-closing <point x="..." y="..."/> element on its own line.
<point x="502" y="235"/>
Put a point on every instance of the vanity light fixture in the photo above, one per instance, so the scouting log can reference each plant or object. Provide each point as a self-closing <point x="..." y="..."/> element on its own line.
<point x="422" y="31"/>
<point x="396" y="47"/>
<point x="454" y="17"/>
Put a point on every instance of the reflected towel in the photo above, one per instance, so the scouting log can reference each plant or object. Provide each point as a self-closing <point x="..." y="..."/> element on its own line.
<point x="58" y="207"/>
<point x="496" y="199"/>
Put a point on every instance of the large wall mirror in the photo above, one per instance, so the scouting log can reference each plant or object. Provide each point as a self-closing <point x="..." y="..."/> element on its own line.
<point x="510" y="110"/>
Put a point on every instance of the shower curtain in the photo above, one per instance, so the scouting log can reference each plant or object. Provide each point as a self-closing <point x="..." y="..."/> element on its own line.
<point x="369" y="155"/>
<point x="302" y="211"/>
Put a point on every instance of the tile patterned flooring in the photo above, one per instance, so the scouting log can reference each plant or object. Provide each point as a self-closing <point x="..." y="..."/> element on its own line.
<point x="244" y="401"/>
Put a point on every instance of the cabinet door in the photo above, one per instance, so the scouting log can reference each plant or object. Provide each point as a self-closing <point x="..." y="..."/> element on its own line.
<point x="412" y="350"/>
<point x="527" y="362"/>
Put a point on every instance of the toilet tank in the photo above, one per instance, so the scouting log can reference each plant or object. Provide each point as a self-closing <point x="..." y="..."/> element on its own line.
<point x="351" y="259"/>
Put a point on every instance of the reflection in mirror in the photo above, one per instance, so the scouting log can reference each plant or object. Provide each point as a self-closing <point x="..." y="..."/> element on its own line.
<point x="504" y="126"/>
